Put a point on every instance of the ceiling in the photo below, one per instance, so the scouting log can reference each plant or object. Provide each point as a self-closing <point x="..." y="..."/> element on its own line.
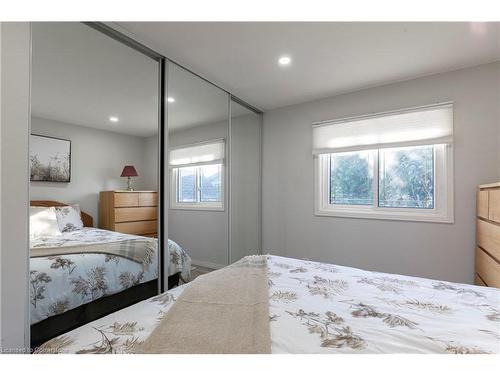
<point x="82" y="77"/>
<point x="327" y="58"/>
<point x="197" y="102"/>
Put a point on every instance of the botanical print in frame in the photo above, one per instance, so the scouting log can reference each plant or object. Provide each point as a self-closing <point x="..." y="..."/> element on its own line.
<point x="50" y="159"/>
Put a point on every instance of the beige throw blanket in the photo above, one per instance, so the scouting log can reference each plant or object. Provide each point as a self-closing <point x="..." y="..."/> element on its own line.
<point x="225" y="311"/>
<point x="137" y="249"/>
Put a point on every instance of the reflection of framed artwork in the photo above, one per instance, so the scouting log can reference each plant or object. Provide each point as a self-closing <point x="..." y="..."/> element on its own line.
<point x="50" y="159"/>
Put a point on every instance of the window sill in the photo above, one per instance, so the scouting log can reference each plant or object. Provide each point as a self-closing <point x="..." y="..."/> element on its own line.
<point x="398" y="214"/>
<point x="196" y="208"/>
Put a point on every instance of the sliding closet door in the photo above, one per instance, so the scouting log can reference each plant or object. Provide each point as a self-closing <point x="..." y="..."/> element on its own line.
<point x="94" y="153"/>
<point x="245" y="186"/>
<point x="197" y="142"/>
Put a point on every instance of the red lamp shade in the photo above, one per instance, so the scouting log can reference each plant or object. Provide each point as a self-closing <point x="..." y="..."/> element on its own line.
<point x="129" y="171"/>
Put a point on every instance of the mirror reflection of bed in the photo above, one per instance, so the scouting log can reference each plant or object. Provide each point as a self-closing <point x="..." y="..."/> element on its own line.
<point x="94" y="180"/>
<point x="80" y="275"/>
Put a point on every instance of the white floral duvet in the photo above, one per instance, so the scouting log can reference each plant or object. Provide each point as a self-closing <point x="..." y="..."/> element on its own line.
<point x="63" y="282"/>
<point x="323" y="308"/>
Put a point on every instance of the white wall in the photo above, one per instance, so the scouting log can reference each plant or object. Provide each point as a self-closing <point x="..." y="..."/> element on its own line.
<point x="97" y="160"/>
<point x="14" y="121"/>
<point x="204" y="234"/>
<point x="150" y="170"/>
<point x="441" y="251"/>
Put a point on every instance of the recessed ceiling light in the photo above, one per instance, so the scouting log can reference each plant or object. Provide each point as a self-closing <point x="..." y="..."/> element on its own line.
<point x="114" y="119"/>
<point x="170" y="99"/>
<point x="284" y="60"/>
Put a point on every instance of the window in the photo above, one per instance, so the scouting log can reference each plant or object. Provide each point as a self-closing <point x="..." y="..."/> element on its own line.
<point x="200" y="185"/>
<point x="395" y="166"/>
<point x="351" y="178"/>
<point x="406" y="177"/>
<point x="187" y="187"/>
<point x="197" y="173"/>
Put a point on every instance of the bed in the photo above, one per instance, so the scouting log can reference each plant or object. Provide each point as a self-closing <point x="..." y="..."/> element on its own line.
<point x="323" y="308"/>
<point x="81" y="275"/>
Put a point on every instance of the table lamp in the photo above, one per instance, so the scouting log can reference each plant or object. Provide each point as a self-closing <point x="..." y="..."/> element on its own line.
<point x="129" y="171"/>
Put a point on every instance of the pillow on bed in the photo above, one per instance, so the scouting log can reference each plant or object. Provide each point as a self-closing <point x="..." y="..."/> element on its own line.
<point x="69" y="218"/>
<point x="43" y="222"/>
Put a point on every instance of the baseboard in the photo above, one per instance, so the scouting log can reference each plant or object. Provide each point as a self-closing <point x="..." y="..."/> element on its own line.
<point x="202" y="263"/>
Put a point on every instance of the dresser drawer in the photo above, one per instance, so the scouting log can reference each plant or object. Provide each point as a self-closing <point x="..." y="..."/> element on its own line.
<point x="482" y="199"/>
<point x="124" y="214"/>
<point x="148" y="199"/>
<point x="126" y="199"/>
<point x="494" y="205"/>
<point x="137" y="227"/>
<point x="487" y="268"/>
<point x="488" y="237"/>
<point x="478" y="280"/>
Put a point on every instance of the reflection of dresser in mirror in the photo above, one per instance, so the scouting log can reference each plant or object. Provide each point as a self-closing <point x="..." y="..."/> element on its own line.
<point x="132" y="212"/>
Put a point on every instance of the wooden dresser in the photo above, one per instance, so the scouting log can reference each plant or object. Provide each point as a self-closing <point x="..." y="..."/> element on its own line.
<point x="133" y="212"/>
<point x="488" y="235"/>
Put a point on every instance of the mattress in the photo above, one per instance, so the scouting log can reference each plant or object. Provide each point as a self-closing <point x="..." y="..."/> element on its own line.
<point x="323" y="308"/>
<point x="59" y="283"/>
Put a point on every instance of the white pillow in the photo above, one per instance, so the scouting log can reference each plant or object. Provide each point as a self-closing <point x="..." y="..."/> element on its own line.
<point x="69" y="218"/>
<point x="43" y="222"/>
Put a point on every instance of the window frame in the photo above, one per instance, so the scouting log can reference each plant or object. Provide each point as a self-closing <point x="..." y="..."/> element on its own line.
<point x="443" y="192"/>
<point x="198" y="205"/>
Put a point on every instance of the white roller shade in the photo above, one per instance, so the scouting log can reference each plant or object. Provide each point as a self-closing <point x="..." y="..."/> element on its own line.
<point x="197" y="154"/>
<point x="412" y="127"/>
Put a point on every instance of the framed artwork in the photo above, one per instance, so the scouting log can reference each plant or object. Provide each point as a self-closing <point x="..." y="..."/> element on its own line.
<point x="50" y="159"/>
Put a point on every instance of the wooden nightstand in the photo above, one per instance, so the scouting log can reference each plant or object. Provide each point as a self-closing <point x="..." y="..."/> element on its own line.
<point x="132" y="212"/>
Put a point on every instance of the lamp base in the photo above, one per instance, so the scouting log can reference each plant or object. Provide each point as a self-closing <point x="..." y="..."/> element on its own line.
<point x="129" y="184"/>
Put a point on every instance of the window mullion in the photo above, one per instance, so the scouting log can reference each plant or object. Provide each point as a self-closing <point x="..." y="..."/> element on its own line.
<point x="376" y="179"/>
<point x="175" y="175"/>
<point x="436" y="190"/>
<point x="198" y="184"/>
<point x="178" y="182"/>
<point x="329" y="178"/>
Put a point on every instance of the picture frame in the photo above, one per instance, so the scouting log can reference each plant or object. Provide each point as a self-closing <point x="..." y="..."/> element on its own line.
<point x="50" y="159"/>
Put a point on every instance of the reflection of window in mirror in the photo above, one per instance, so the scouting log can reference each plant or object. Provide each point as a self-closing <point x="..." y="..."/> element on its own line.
<point x="198" y="176"/>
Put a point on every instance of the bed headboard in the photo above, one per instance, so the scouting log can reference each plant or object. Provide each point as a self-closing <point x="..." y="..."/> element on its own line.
<point x="86" y="218"/>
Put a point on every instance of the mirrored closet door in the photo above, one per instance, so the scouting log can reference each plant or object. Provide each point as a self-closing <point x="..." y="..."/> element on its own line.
<point x="198" y="119"/>
<point x="214" y="150"/>
<point x="245" y="184"/>
<point x="94" y="184"/>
